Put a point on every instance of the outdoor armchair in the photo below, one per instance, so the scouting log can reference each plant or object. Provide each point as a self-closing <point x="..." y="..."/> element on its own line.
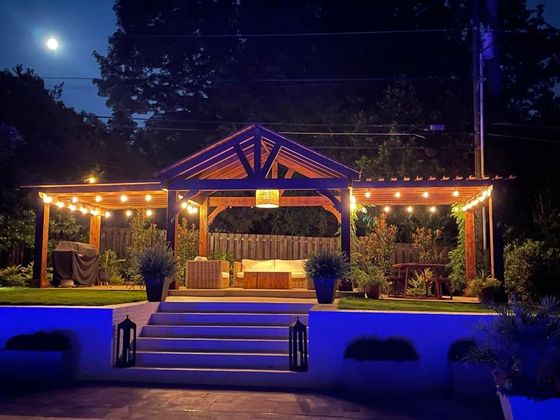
<point x="212" y="274"/>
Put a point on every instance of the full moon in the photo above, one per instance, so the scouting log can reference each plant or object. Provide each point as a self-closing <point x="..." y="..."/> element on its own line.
<point x="52" y="44"/>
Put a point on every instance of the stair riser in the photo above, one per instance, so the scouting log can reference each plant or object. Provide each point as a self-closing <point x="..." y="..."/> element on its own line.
<point x="210" y="360"/>
<point x="209" y="345"/>
<point x="229" y="307"/>
<point x="162" y="318"/>
<point x="214" y="332"/>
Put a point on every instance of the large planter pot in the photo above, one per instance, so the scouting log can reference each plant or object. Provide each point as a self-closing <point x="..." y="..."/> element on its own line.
<point x="157" y="288"/>
<point x="325" y="289"/>
<point x="372" y="292"/>
<point x="523" y="408"/>
<point x="487" y="295"/>
<point x="27" y="366"/>
<point x="382" y="377"/>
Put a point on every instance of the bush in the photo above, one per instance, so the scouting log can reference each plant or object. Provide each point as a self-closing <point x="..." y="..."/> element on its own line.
<point x="327" y="264"/>
<point x="112" y="265"/>
<point x="157" y="263"/>
<point x="39" y="341"/>
<point x="391" y="349"/>
<point x="381" y="243"/>
<point x="14" y="276"/>
<point x="532" y="270"/>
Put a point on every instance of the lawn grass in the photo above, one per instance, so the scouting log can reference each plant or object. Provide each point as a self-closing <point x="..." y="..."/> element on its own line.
<point x="361" y="304"/>
<point x="73" y="297"/>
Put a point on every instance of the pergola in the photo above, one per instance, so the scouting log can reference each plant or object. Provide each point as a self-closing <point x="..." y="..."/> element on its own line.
<point x="257" y="160"/>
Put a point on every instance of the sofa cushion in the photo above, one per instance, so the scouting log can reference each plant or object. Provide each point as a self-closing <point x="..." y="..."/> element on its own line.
<point x="225" y="275"/>
<point x="289" y="266"/>
<point x="262" y="266"/>
<point x="298" y="275"/>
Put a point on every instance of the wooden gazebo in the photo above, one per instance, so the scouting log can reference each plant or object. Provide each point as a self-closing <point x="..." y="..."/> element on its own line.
<point x="254" y="167"/>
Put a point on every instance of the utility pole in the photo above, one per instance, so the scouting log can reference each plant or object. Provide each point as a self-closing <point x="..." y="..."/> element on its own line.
<point x="477" y="87"/>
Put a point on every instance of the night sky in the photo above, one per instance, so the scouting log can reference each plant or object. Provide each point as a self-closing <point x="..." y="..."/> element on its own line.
<point x="81" y="26"/>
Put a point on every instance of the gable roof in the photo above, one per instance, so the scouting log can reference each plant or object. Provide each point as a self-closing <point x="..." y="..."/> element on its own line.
<point x="252" y="151"/>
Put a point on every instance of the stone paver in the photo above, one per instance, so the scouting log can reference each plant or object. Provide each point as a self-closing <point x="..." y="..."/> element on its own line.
<point x="109" y="401"/>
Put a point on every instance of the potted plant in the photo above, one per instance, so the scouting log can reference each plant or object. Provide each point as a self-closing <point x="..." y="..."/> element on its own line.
<point x="370" y="279"/>
<point x="157" y="265"/>
<point x="485" y="288"/>
<point x="326" y="267"/>
<point x="522" y="346"/>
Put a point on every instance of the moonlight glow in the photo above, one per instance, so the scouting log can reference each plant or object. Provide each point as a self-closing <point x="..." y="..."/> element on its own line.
<point x="52" y="44"/>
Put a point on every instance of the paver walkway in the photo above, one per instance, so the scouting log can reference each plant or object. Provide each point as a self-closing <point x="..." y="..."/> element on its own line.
<point x="96" y="401"/>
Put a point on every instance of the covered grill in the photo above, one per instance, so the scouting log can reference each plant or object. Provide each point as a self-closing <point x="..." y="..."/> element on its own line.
<point x="76" y="261"/>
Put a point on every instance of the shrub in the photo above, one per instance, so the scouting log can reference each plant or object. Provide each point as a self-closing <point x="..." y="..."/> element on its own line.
<point x="532" y="270"/>
<point x="187" y="243"/>
<point x="426" y="241"/>
<point x="327" y="264"/>
<point x="380" y="244"/>
<point x="417" y="284"/>
<point x="143" y="235"/>
<point x="13" y="276"/>
<point x="369" y="275"/>
<point x="39" y="341"/>
<point x="460" y="350"/>
<point x="157" y="263"/>
<point x="484" y="287"/>
<point x="112" y="265"/>
<point x="391" y="349"/>
<point x="522" y="345"/>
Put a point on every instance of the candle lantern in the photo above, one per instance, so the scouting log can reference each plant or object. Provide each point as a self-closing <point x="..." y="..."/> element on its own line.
<point x="298" y="346"/>
<point x="126" y="344"/>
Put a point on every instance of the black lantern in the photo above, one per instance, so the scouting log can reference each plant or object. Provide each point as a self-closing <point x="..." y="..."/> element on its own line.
<point x="126" y="352"/>
<point x="298" y="346"/>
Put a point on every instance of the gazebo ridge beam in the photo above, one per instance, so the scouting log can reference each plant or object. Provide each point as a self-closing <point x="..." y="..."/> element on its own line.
<point x="248" y="184"/>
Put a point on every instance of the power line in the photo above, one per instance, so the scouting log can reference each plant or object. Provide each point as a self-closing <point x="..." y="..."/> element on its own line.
<point x="544" y="127"/>
<point x="524" y="138"/>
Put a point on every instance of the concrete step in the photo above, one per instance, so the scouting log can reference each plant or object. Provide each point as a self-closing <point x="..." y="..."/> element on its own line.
<point x="237" y="307"/>
<point x="213" y="360"/>
<point x="222" y="377"/>
<point x="215" y="331"/>
<point x="217" y="345"/>
<point x="224" y="318"/>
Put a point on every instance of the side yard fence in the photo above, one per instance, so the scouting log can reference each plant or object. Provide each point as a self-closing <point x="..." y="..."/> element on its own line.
<point x="258" y="247"/>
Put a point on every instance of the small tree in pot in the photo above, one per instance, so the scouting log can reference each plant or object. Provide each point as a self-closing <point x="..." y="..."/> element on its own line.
<point x="522" y="345"/>
<point x="157" y="265"/>
<point x="326" y="267"/>
<point x="371" y="279"/>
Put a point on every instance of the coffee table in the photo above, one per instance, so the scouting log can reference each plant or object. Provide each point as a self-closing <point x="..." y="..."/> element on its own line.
<point x="266" y="280"/>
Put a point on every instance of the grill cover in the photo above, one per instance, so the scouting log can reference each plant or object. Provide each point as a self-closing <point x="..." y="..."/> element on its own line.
<point x="76" y="261"/>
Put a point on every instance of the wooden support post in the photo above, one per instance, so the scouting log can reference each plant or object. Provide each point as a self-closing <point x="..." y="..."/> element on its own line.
<point x="345" y="215"/>
<point x="95" y="231"/>
<point x="40" y="251"/>
<point x="496" y="232"/>
<point x="491" y="226"/>
<point x="470" y="246"/>
<point x="171" y="222"/>
<point x="203" y="229"/>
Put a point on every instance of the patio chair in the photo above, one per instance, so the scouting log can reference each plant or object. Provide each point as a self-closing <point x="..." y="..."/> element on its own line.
<point x="397" y="286"/>
<point x="213" y="274"/>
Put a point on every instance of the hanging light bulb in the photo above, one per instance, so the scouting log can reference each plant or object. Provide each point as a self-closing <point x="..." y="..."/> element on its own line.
<point x="98" y="199"/>
<point x="74" y="199"/>
<point x="367" y="194"/>
<point x="94" y="212"/>
<point x="455" y="193"/>
<point x="433" y="209"/>
<point x="83" y="210"/>
<point x="386" y="209"/>
<point x="107" y="214"/>
<point x="410" y="209"/>
<point x="149" y="213"/>
<point x="59" y="204"/>
<point x="124" y="198"/>
<point x="47" y="199"/>
<point x="398" y="194"/>
<point x="425" y="194"/>
<point x="72" y="207"/>
<point x="184" y="205"/>
<point x="148" y="197"/>
<point x="128" y="213"/>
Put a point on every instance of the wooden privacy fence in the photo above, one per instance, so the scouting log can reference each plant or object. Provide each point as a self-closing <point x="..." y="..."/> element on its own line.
<point x="259" y="247"/>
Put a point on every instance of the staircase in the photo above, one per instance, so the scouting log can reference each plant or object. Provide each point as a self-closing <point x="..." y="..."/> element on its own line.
<point x="218" y="343"/>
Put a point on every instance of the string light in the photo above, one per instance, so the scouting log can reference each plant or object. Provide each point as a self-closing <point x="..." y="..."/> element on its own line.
<point x="180" y="197"/>
<point x="149" y="213"/>
<point x="478" y="199"/>
<point x="74" y="200"/>
<point x="47" y="199"/>
<point x="367" y="194"/>
<point x="410" y="209"/>
<point x="455" y="193"/>
<point x="425" y="194"/>
<point x="398" y="194"/>
<point x="83" y="210"/>
<point x="107" y="214"/>
<point x="72" y="207"/>
<point x="124" y="198"/>
<point x="95" y="212"/>
<point x="192" y="209"/>
<point x="386" y="209"/>
<point x="98" y="199"/>
<point x="148" y="197"/>
<point x="128" y="213"/>
<point x="59" y="204"/>
<point x="91" y="179"/>
<point x="433" y="209"/>
<point x="184" y="204"/>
